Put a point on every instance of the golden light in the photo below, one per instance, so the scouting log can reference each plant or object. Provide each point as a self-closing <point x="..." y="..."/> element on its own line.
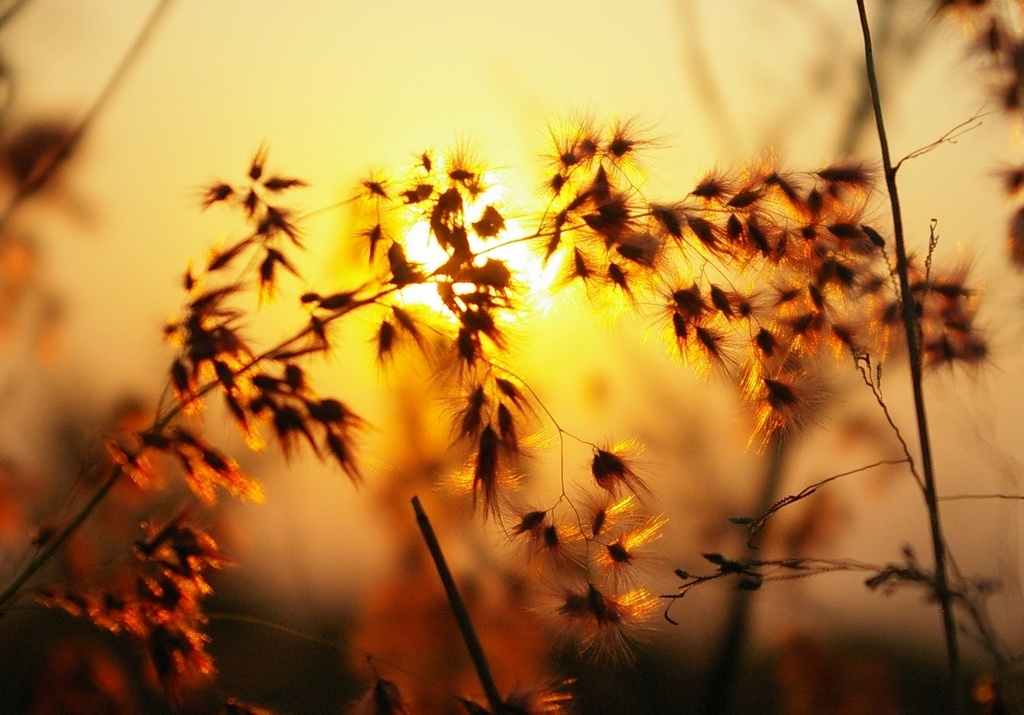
<point x="512" y="245"/>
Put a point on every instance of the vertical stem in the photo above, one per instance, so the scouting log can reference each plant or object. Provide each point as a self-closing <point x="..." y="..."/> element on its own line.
<point x="911" y="328"/>
<point x="476" y="651"/>
<point x="722" y="680"/>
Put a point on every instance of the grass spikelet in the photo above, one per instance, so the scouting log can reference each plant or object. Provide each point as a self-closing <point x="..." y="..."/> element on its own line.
<point x="787" y="188"/>
<point x="623" y="140"/>
<point x="688" y="302"/>
<point x="612" y="472"/>
<point x="704" y="230"/>
<point x="713" y="187"/>
<point x="759" y="238"/>
<point x="338" y="445"/>
<point x="289" y="425"/>
<point x="744" y="199"/>
<point x="470" y="418"/>
<point x="623" y="556"/>
<point x="374" y="188"/>
<point x="217" y="193"/>
<point x="722" y="301"/>
<point x="574" y="143"/>
<point x="850" y="174"/>
<point x="511" y="390"/>
<point x="552" y="548"/>
<point x="669" y="218"/>
<point x="734" y="229"/>
<point x="507" y="430"/>
<point x="385" y="341"/>
<point x="640" y="247"/>
<point x="577" y="267"/>
<point x="618" y="277"/>
<point x="710" y="345"/>
<point x="765" y="342"/>
<point x="531" y="522"/>
<point x="606" y="625"/>
<point x="783" y="400"/>
<point x="485" y="471"/>
<point x="603" y="512"/>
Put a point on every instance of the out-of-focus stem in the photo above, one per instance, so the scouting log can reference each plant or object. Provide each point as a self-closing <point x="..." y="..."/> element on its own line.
<point x="44" y="170"/>
<point x="722" y="680"/>
<point x="50" y="548"/>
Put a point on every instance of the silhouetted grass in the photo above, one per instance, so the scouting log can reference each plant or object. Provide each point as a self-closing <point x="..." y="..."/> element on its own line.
<point x="765" y="277"/>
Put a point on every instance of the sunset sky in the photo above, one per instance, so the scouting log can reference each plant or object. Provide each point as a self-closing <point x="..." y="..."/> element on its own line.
<point x="338" y="89"/>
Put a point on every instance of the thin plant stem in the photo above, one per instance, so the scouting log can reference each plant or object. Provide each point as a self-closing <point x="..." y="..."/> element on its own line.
<point x="476" y="651"/>
<point x="43" y="171"/>
<point x="910" y="325"/>
<point x="11" y="11"/>
<point x="50" y="548"/>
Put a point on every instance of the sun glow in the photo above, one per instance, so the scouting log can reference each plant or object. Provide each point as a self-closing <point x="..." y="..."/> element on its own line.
<point x="532" y="280"/>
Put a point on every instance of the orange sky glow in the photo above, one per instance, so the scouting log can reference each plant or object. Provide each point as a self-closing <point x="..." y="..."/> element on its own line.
<point x="339" y="90"/>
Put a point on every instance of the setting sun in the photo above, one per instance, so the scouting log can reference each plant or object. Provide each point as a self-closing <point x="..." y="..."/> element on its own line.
<point x="457" y="233"/>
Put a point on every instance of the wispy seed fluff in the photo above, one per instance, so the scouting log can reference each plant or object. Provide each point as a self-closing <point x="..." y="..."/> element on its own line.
<point x="605" y="625"/>
<point x="612" y="472"/>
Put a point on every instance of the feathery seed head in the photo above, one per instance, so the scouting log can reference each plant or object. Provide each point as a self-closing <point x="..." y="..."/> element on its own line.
<point x="603" y="624"/>
<point x="612" y="472"/>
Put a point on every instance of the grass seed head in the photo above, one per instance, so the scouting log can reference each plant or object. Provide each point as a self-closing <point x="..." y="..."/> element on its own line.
<point x="612" y="472"/>
<point x="604" y="625"/>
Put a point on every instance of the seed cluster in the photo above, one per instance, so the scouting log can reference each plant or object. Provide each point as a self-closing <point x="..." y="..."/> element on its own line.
<point x="163" y="609"/>
<point x="995" y="38"/>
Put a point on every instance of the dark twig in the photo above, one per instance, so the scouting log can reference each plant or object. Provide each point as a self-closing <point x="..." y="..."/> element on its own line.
<point x="873" y="379"/>
<point x="949" y="137"/>
<point x="752" y="573"/>
<point x="12" y="592"/>
<point x="910" y="325"/>
<point x="476" y="651"/>
<point x="756" y="524"/>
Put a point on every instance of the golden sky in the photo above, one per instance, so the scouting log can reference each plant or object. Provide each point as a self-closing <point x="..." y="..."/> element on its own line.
<point x="337" y="89"/>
